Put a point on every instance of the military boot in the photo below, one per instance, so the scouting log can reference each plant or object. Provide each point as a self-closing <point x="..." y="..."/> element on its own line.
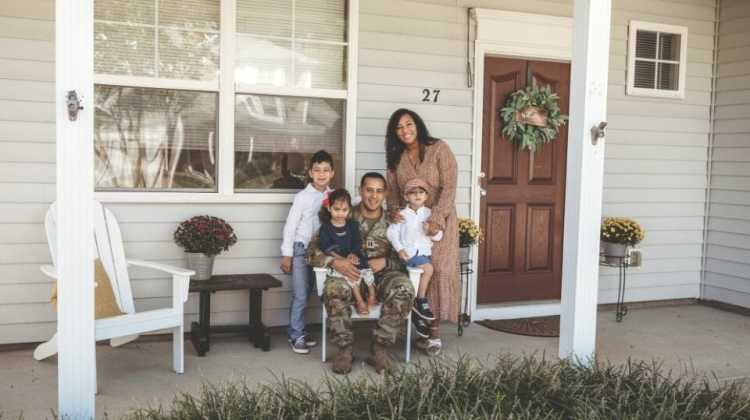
<point x="342" y="362"/>
<point x="379" y="359"/>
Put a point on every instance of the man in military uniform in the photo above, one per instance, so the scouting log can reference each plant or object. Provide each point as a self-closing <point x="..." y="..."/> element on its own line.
<point x="392" y="285"/>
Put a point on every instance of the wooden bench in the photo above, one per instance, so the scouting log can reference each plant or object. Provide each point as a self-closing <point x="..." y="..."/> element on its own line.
<point x="255" y="283"/>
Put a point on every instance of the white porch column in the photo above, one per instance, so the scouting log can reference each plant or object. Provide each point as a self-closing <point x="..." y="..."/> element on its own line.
<point x="585" y="171"/>
<point x="74" y="63"/>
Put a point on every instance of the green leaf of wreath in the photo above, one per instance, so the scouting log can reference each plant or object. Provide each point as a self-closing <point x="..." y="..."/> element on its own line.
<point x="529" y="136"/>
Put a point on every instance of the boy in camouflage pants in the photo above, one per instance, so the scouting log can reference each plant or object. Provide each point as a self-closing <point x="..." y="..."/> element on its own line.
<point x="393" y="287"/>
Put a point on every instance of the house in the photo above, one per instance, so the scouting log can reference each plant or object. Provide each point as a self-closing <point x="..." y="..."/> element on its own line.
<point x="213" y="109"/>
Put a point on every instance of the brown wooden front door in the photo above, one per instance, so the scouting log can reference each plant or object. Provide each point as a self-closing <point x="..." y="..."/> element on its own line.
<point x="522" y="211"/>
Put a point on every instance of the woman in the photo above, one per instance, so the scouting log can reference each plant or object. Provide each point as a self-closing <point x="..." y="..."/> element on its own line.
<point x="411" y="153"/>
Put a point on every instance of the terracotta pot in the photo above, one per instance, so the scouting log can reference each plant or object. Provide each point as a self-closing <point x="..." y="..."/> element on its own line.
<point x="532" y="115"/>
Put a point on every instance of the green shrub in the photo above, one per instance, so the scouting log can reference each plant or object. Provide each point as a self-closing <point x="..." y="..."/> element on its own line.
<point x="511" y="388"/>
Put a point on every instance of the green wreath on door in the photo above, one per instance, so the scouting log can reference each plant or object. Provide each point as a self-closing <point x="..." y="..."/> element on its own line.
<point x="531" y="117"/>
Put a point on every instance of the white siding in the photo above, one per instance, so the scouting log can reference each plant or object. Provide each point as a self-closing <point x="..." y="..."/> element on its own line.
<point x="727" y="270"/>
<point x="655" y="168"/>
<point x="656" y="152"/>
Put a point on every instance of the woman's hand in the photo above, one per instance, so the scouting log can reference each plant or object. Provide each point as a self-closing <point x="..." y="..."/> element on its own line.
<point x="345" y="268"/>
<point x="404" y="256"/>
<point x="353" y="259"/>
<point x="286" y="264"/>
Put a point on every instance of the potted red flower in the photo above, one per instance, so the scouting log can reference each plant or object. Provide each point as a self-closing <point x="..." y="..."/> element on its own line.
<point x="203" y="238"/>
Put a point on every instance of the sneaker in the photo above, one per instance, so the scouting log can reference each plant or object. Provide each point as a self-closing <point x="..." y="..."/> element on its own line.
<point x="310" y="341"/>
<point x="422" y="309"/>
<point x="299" y="345"/>
<point x="431" y="346"/>
<point x="421" y="327"/>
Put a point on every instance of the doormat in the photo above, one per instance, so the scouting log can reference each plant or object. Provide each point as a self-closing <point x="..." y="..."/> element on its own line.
<point x="543" y="326"/>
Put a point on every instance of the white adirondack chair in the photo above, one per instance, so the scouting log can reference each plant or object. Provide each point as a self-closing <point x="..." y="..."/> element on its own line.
<point x="123" y="328"/>
<point x="320" y="279"/>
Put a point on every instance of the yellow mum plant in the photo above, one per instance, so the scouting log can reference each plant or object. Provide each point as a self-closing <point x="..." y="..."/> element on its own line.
<point x="621" y="230"/>
<point x="468" y="233"/>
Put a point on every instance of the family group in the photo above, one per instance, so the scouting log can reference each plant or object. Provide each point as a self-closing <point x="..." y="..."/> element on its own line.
<point x="404" y="219"/>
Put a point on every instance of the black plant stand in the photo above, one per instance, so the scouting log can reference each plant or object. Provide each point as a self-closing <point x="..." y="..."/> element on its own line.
<point x="464" y="311"/>
<point x="621" y="263"/>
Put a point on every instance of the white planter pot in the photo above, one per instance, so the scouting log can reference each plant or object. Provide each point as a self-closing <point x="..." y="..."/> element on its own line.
<point x="613" y="253"/>
<point x="202" y="264"/>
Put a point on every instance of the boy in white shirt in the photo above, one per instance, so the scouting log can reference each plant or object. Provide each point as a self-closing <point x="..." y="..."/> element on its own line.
<point x="301" y="224"/>
<point x="414" y="246"/>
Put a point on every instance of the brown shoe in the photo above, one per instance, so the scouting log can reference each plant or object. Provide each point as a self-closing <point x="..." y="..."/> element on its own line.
<point x="379" y="359"/>
<point x="342" y="362"/>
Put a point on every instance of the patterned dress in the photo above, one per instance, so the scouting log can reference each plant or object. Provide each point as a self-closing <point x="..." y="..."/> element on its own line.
<point x="440" y="171"/>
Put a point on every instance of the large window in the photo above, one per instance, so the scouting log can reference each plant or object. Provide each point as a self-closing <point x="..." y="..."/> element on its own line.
<point x="181" y="83"/>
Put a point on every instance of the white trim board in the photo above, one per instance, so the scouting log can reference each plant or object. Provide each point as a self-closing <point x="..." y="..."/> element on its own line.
<point x="542" y="37"/>
<point x="519" y="310"/>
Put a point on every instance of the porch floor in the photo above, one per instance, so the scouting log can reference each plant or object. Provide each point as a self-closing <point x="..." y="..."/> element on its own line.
<point x="696" y="337"/>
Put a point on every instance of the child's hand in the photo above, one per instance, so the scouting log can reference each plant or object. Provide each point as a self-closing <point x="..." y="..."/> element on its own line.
<point x="431" y="228"/>
<point x="286" y="264"/>
<point x="404" y="256"/>
<point x="353" y="259"/>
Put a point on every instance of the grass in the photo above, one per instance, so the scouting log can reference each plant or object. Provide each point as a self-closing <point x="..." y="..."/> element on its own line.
<point x="507" y="388"/>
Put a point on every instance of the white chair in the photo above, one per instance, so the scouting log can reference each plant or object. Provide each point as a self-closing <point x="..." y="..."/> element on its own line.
<point x="122" y="329"/>
<point x="320" y="278"/>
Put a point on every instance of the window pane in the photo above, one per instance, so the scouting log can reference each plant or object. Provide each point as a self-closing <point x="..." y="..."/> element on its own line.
<point x="188" y="38"/>
<point x="265" y="17"/>
<point x="188" y="55"/>
<point x="669" y="47"/>
<point x="301" y="49"/>
<point x="154" y="139"/>
<point x="668" y="76"/>
<point x="123" y="49"/>
<point x="645" y="74"/>
<point x="275" y="137"/>
<point x="320" y="66"/>
<point x="190" y="14"/>
<point x="321" y="20"/>
<point x="263" y="61"/>
<point x="645" y="44"/>
<point x="131" y="11"/>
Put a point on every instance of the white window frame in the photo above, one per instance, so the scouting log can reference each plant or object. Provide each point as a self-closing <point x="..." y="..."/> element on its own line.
<point x="682" y="31"/>
<point x="226" y="87"/>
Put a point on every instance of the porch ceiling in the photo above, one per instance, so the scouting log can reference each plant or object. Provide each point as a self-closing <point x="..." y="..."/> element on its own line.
<point x="138" y="374"/>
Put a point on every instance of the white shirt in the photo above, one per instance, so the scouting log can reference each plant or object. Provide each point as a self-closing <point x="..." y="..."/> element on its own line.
<point x="302" y="221"/>
<point x="409" y="234"/>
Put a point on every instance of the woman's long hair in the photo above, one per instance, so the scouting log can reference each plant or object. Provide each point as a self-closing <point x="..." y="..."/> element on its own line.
<point x="394" y="148"/>
<point x="337" y="195"/>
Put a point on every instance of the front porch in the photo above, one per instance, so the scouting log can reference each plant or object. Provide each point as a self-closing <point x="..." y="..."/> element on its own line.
<point x="691" y="336"/>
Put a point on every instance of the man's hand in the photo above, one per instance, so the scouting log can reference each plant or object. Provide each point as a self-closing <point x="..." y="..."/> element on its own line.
<point x="345" y="268"/>
<point x="395" y="216"/>
<point x="353" y="259"/>
<point x="431" y="228"/>
<point x="286" y="264"/>
<point x="404" y="256"/>
<point x="377" y="264"/>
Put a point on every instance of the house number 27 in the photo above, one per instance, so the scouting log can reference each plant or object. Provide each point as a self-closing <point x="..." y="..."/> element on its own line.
<point x="430" y="95"/>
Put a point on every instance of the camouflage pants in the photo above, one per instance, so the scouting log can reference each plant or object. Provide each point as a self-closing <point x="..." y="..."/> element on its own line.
<point x="394" y="291"/>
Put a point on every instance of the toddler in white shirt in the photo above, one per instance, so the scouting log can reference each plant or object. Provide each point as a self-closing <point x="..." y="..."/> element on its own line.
<point x="410" y="239"/>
